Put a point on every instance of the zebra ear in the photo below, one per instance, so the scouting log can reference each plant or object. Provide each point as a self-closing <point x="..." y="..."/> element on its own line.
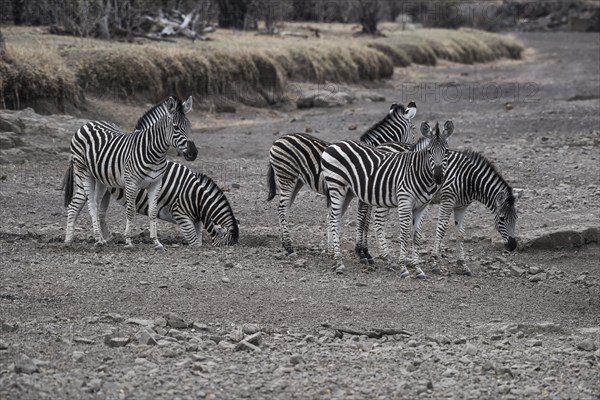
<point x="187" y="106"/>
<point x="410" y="111"/>
<point x="393" y="108"/>
<point x="425" y="129"/>
<point x="517" y="193"/>
<point x="448" y="128"/>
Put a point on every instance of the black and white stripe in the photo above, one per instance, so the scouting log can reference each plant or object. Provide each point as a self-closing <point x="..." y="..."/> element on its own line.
<point x="469" y="177"/>
<point x="192" y="201"/>
<point x="383" y="179"/>
<point x="295" y="161"/>
<point x="104" y="156"/>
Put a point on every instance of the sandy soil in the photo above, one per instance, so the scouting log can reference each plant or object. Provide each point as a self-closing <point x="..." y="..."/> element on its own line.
<point x="527" y="324"/>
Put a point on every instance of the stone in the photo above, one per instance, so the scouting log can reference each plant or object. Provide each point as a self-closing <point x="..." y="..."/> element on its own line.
<point x="460" y="340"/>
<point x="78" y="356"/>
<point x="141" y="322"/>
<point x="174" y="333"/>
<point x="225" y="279"/>
<point x="533" y="343"/>
<point x="25" y="365"/>
<point x="199" y="326"/>
<point x="3" y="345"/>
<point x="366" y="346"/>
<point x="175" y="320"/>
<point x="487" y="365"/>
<point x="114" y="317"/>
<point x="296" y="359"/>
<point x="450" y="372"/>
<point x="8" y="327"/>
<point x="250" y="329"/>
<point x="83" y="340"/>
<point x="244" y="345"/>
<point x="470" y="349"/>
<point x="534" y="270"/>
<point x="255" y="339"/>
<point x="538" y="278"/>
<point x="115" y="341"/>
<point x="412" y="343"/>
<point x="496" y="336"/>
<point x="516" y="271"/>
<point x="300" y="263"/>
<point x="146" y="338"/>
<point x="586" y="345"/>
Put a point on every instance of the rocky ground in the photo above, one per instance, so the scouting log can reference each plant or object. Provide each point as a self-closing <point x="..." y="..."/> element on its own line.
<point x="103" y="323"/>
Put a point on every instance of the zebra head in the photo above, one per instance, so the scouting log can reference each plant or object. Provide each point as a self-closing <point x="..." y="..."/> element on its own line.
<point x="181" y="138"/>
<point x="505" y="218"/>
<point x="437" y="148"/>
<point x="400" y="113"/>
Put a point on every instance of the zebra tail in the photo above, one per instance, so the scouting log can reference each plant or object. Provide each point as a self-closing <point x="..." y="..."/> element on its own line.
<point x="271" y="183"/>
<point x="68" y="183"/>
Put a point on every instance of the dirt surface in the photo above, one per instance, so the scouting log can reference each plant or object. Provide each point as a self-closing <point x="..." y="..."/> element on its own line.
<point x="527" y="324"/>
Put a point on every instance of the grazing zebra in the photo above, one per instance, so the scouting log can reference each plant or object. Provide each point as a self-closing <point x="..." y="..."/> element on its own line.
<point x="384" y="179"/>
<point x="469" y="177"/>
<point x="295" y="161"/>
<point x="191" y="200"/>
<point x="106" y="157"/>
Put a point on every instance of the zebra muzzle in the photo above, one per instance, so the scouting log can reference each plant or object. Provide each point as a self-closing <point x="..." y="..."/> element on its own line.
<point x="438" y="175"/>
<point x="511" y="244"/>
<point x="191" y="152"/>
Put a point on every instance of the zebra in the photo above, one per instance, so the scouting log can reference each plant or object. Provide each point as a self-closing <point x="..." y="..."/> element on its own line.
<point x="384" y="179"/>
<point x="104" y="156"/>
<point x="469" y="177"/>
<point x="192" y="201"/>
<point x="295" y="161"/>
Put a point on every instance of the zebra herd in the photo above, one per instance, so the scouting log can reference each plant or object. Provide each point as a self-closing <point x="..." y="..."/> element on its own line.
<point x="385" y="169"/>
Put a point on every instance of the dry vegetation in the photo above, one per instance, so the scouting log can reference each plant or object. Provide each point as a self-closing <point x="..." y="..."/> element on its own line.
<point x="252" y="69"/>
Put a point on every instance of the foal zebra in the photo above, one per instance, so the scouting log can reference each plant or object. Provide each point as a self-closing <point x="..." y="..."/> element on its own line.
<point x="384" y="179"/>
<point x="192" y="201"/>
<point x="295" y="161"/>
<point x="106" y="157"/>
<point x="469" y="177"/>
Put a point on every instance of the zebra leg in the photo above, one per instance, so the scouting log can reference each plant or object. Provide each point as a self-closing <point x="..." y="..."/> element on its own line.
<point x="381" y="215"/>
<point x="103" y="207"/>
<point x="75" y="207"/>
<point x="130" y="195"/>
<point x="459" y="219"/>
<point x="89" y="185"/>
<point x="153" y="213"/>
<point x="405" y="217"/>
<point x="339" y="204"/>
<point x="418" y="217"/>
<point x="362" y="231"/>
<point x="287" y="196"/>
<point x="442" y="225"/>
<point x="199" y="228"/>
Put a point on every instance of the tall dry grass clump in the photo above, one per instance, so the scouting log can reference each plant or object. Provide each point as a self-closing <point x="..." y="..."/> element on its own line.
<point x="235" y="66"/>
<point x="29" y="76"/>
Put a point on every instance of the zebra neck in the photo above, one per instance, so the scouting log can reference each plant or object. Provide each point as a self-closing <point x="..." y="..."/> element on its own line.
<point x="155" y="142"/>
<point x="487" y="188"/>
<point x="391" y="129"/>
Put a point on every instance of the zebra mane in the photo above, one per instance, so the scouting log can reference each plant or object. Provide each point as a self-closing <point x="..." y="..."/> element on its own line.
<point x="389" y="116"/>
<point x="480" y="159"/>
<point x="209" y="184"/>
<point x="156" y="112"/>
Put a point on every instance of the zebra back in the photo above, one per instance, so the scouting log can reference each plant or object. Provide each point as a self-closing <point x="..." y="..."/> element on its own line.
<point x="395" y="127"/>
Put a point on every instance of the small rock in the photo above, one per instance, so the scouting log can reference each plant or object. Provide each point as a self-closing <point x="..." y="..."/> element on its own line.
<point x="537" y="278"/>
<point x="531" y="391"/>
<point x="460" y="340"/>
<point x="309" y="339"/>
<point x="449" y="372"/>
<point x="487" y="365"/>
<point x="175" y="321"/>
<point x="412" y="343"/>
<point x="256" y="338"/>
<point x="296" y="359"/>
<point x="111" y="341"/>
<point x="586" y="345"/>
<point x="236" y="335"/>
<point x="235" y="186"/>
<point x="3" y="345"/>
<point x="24" y="365"/>
<point x="114" y="317"/>
<point x="225" y="279"/>
<point x="187" y="286"/>
<point x="250" y="329"/>
<point x="174" y="333"/>
<point x="496" y="336"/>
<point x="78" y="356"/>
<point x="300" y="263"/>
<point x="533" y="343"/>
<point x="534" y="270"/>
<point x="244" y="345"/>
<point x="366" y="345"/>
<point x="516" y="271"/>
<point x="470" y="349"/>
<point x="7" y="327"/>
<point x="353" y="127"/>
<point x="146" y="338"/>
<point x="199" y="326"/>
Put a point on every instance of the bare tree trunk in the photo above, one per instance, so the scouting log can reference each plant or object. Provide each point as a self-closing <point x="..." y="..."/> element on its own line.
<point x="369" y="16"/>
<point x="102" y="29"/>
<point x="2" y="44"/>
<point x="17" y="12"/>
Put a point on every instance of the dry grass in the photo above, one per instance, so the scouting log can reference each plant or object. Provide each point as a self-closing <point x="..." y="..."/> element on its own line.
<point x="239" y="66"/>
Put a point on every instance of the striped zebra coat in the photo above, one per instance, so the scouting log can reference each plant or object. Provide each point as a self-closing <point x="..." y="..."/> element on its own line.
<point x="104" y="156"/>
<point x="192" y="201"/>
<point x="383" y="179"/>
<point x="469" y="177"/>
<point x="295" y="161"/>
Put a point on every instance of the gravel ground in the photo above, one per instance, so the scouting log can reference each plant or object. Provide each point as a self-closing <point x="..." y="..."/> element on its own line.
<point x="110" y="323"/>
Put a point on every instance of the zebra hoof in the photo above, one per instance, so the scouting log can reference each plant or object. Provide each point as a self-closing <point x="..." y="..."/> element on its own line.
<point x="341" y="269"/>
<point x="370" y="260"/>
<point x="436" y="271"/>
<point x="404" y="273"/>
<point x="421" y="275"/>
<point x="467" y="272"/>
<point x="160" y="248"/>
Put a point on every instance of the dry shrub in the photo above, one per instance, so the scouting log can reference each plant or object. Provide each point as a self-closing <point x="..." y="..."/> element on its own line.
<point x="28" y="76"/>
